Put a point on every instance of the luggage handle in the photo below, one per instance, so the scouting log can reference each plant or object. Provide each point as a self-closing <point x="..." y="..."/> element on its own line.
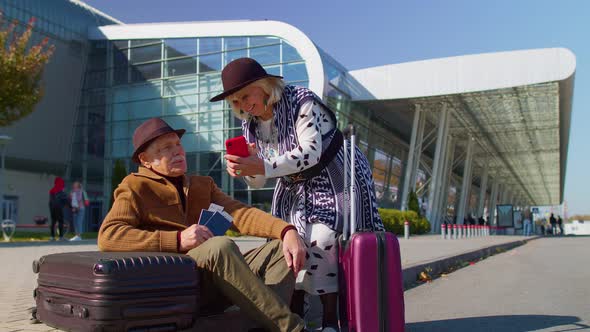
<point x="349" y="225"/>
<point x="65" y="309"/>
<point x="62" y="309"/>
<point x="140" y="312"/>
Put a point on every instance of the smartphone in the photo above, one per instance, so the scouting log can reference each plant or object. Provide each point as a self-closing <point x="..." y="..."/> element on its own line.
<point x="237" y="146"/>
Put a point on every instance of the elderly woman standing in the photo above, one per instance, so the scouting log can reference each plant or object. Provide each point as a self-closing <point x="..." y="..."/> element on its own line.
<point x="293" y="137"/>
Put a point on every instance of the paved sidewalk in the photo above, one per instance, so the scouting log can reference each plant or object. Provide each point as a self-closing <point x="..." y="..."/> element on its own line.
<point x="16" y="292"/>
<point x="425" y="248"/>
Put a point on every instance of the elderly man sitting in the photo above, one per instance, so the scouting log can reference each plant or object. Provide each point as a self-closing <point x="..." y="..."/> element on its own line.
<point x="158" y="208"/>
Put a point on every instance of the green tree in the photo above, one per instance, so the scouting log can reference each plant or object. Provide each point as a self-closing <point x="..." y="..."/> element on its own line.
<point x="21" y="68"/>
<point x="119" y="173"/>
<point x="413" y="203"/>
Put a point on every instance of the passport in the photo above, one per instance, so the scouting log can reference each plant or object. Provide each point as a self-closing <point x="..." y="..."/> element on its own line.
<point x="218" y="224"/>
<point x="216" y="220"/>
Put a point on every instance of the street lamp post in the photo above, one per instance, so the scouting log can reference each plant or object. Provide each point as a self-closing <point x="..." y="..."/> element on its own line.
<point x="8" y="226"/>
<point x="4" y="140"/>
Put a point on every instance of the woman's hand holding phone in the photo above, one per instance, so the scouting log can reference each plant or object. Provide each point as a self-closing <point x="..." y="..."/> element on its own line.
<point x="242" y="158"/>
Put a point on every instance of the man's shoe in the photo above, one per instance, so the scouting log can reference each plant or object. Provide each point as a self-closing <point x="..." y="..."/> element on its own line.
<point x="52" y="239"/>
<point x="76" y="238"/>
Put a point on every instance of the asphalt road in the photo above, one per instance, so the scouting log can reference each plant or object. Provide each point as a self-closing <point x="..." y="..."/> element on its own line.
<point x="541" y="286"/>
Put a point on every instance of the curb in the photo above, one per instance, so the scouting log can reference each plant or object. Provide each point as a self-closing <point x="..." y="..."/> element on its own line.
<point x="436" y="267"/>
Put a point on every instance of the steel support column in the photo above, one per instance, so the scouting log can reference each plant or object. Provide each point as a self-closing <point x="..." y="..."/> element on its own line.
<point x="437" y="167"/>
<point x="483" y="187"/>
<point x="443" y="194"/>
<point x="412" y="162"/>
<point x="418" y="151"/>
<point x="466" y="183"/>
<point x="493" y="203"/>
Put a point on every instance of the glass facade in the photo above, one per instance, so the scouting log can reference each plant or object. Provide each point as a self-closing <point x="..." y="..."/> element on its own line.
<point x="63" y="20"/>
<point x="129" y="81"/>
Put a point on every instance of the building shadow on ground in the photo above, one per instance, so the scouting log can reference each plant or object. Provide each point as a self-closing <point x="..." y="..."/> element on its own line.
<point x="512" y="323"/>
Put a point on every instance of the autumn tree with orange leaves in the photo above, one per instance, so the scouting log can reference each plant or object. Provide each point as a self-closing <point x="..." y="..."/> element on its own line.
<point x="21" y="69"/>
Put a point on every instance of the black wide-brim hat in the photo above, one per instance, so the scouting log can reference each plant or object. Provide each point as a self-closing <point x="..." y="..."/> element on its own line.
<point x="148" y="131"/>
<point x="239" y="73"/>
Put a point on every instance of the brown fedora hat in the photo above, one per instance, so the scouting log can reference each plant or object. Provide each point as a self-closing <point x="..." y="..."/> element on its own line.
<point x="148" y="131"/>
<point x="239" y="73"/>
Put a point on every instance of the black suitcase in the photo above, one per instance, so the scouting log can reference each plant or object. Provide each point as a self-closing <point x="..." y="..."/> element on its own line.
<point x="116" y="291"/>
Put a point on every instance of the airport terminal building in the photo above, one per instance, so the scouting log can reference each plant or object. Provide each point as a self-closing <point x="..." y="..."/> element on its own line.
<point x="434" y="127"/>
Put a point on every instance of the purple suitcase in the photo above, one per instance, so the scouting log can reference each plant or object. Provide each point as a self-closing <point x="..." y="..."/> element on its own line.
<point x="115" y="291"/>
<point x="371" y="283"/>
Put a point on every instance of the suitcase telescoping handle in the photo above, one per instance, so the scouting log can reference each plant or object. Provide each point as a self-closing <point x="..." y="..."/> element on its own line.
<point x="349" y="196"/>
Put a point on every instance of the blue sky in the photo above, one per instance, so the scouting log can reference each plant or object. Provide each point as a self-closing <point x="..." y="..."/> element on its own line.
<point x="369" y="33"/>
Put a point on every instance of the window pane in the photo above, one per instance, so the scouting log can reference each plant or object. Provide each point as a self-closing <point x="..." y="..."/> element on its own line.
<point x="180" y="86"/>
<point x="120" y="112"/>
<point x="187" y="122"/>
<point x="144" y="91"/>
<point x="259" y="41"/>
<point x="145" y="109"/>
<point x="139" y="42"/>
<point x="180" y="47"/>
<point x="190" y="143"/>
<point x="146" y="72"/>
<point x="295" y="72"/>
<point x="261" y="199"/>
<point x="233" y="43"/>
<point x="231" y="56"/>
<point x="266" y="55"/>
<point x="205" y="105"/>
<point x="182" y="104"/>
<point x="211" y="141"/>
<point x="210" y="83"/>
<point x="97" y="61"/>
<point x="120" y="58"/>
<point x="120" y="130"/>
<point x="210" y="120"/>
<point x="241" y="196"/>
<point x="145" y="54"/>
<point x="290" y="53"/>
<point x="209" y="63"/>
<point x="181" y="67"/>
<point x="120" y="75"/>
<point x="209" y="45"/>
<point x="119" y="148"/>
<point x="273" y="70"/>
<point x="121" y="44"/>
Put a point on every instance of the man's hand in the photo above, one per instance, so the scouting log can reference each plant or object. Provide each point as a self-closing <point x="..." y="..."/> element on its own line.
<point x="193" y="237"/>
<point x="294" y="251"/>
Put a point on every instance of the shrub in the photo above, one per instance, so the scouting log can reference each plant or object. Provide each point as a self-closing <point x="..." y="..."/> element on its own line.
<point x="393" y="220"/>
<point x="413" y="204"/>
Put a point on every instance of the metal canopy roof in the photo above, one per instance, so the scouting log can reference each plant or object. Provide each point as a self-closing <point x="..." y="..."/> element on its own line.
<point x="517" y="106"/>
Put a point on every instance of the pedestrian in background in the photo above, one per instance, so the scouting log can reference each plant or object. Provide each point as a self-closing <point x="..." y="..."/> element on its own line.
<point x="58" y="200"/>
<point x="560" y="224"/>
<point x="79" y="201"/>
<point x="527" y="221"/>
<point x="553" y="223"/>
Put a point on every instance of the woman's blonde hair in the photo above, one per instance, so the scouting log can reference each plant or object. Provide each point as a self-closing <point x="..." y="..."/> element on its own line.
<point x="272" y="86"/>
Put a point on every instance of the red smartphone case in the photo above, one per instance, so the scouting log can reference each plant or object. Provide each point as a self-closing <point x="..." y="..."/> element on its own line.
<point x="237" y="146"/>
